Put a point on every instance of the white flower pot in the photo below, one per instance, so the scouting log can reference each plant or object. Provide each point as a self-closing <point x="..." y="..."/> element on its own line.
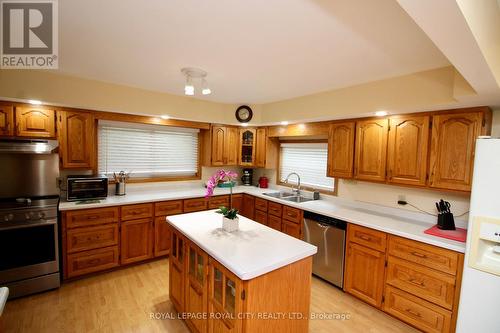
<point x="230" y="225"/>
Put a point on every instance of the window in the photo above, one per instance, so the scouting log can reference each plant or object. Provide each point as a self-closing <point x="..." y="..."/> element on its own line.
<point x="147" y="151"/>
<point x="309" y="161"/>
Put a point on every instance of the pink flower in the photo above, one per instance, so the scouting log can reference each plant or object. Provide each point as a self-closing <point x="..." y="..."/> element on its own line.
<point x="219" y="176"/>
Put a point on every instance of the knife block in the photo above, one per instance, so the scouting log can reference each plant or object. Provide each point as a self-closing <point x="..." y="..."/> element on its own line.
<point x="446" y="221"/>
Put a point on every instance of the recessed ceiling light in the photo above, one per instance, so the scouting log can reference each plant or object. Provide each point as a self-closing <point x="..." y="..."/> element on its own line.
<point x="35" y="102"/>
<point x="244" y="124"/>
<point x="284" y="123"/>
<point x="165" y="117"/>
<point x="381" y="113"/>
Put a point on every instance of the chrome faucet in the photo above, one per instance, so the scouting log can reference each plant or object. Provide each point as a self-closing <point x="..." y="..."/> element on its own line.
<point x="298" y="182"/>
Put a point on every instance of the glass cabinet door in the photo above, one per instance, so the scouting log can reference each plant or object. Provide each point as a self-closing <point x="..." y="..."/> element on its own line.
<point x="247" y="146"/>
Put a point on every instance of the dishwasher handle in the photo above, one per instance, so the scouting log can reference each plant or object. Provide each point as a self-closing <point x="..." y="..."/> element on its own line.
<point x="325" y="220"/>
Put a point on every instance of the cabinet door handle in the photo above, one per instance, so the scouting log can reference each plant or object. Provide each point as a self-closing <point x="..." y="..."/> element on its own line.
<point x="416" y="282"/>
<point x="418" y="254"/>
<point x="410" y="311"/>
<point x="366" y="238"/>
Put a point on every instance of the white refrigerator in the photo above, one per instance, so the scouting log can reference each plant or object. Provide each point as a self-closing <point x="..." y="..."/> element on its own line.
<point x="479" y="308"/>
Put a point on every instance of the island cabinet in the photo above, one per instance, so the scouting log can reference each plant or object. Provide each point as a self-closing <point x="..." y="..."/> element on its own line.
<point x="76" y="133"/>
<point x="228" y="299"/>
<point x="415" y="282"/>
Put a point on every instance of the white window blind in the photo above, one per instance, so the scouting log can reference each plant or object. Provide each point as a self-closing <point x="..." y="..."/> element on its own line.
<point x="309" y="161"/>
<point x="147" y="150"/>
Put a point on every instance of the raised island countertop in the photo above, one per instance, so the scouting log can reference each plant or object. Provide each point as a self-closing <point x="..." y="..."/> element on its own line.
<point x="252" y="251"/>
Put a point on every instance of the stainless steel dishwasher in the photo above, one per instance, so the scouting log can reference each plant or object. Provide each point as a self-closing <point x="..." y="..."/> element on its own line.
<point x="328" y="234"/>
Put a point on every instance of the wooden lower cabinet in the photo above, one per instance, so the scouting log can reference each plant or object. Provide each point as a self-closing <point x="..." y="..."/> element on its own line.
<point x="248" y="208"/>
<point x="162" y="237"/>
<point x="291" y="228"/>
<point x="82" y="239"/>
<point x="136" y="240"/>
<point x="196" y="291"/>
<point x="274" y="222"/>
<point x="199" y="285"/>
<point x="261" y="217"/>
<point x="195" y="205"/>
<point x="92" y="261"/>
<point x="364" y="273"/>
<point x="176" y="282"/>
<point x="218" y="201"/>
<point x="415" y="282"/>
<point x="237" y="202"/>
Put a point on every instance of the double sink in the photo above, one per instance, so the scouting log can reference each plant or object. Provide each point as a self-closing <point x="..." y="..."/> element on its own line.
<point x="288" y="196"/>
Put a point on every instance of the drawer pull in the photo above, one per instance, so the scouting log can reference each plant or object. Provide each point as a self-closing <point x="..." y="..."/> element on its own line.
<point x="418" y="254"/>
<point x="366" y="238"/>
<point x="417" y="282"/>
<point x="416" y="314"/>
<point x="92" y="217"/>
<point x="94" y="261"/>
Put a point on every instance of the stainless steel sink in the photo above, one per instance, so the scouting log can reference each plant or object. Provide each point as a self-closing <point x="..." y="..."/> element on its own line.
<point x="281" y="194"/>
<point x="288" y="196"/>
<point x="298" y="199"/>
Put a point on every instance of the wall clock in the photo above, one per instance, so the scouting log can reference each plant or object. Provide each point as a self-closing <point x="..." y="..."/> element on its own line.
<point x="244" y="114"/>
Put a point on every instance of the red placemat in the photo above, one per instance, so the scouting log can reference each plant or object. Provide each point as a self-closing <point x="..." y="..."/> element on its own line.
<point x="458" y="235"/>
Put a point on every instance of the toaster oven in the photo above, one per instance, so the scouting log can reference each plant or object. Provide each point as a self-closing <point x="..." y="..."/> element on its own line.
<point x="86" y="188"/>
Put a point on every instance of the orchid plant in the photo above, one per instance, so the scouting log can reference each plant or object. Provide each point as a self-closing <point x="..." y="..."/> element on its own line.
<point x="218" y="177"/>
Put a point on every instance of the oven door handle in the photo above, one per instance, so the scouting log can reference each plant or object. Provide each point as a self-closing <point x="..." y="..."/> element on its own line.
<point x="29" y="225"/>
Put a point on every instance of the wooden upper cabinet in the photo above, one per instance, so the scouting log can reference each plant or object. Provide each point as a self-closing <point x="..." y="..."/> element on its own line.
<point x="371" y="149"/>
<point x="224" y="145"/>
<point x="247" y="146"/>
<point x="35" y="122"/>
<point x="452" y="149"/>
<point x="231" y="149"/>
<point x="76" y="139"/>
<point x="407" y="150"/>
<point x="341" y="150"/>
<point x="218" y="144"/>
<point x="260" y="148"/>
<point x="6" y="119"/>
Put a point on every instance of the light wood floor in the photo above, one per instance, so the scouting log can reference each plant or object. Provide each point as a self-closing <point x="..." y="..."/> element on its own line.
<point x="123" y="301"/>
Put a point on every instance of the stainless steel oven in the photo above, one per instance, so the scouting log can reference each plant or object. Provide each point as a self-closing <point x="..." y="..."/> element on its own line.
<point x="86" y="188"/>
<point x="29" y="196"/>
<point x="29" y="245"/>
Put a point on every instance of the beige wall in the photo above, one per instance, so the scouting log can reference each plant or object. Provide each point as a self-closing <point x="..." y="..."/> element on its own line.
<point x="420" y="91"/>
<point x="75" y="92"/>
<point x="495" y="130"/>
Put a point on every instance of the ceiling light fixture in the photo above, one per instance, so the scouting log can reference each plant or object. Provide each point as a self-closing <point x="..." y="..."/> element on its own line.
<point x="381" y="113"/>
<point x="284" y="123"/>
<point x="195" y="74"/>
<point x="244" y="124"/>
<point x="165" y="117"/>
<point x="35" y="102"/>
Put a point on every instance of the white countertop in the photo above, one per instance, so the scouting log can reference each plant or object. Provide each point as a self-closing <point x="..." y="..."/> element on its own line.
<point x="253" y="250"/>
<point x="4" y="293"/>
<point x="395" y="221"/>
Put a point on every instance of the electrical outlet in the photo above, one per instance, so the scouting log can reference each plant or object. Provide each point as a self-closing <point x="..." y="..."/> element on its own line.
<point x="401" y="197"/>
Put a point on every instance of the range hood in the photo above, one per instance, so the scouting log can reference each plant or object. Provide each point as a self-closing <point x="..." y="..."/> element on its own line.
<point x="28" y="146"/>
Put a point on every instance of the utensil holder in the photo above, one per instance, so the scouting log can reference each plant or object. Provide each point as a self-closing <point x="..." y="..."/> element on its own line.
<point x="120" y="188"/>
<point x="446" y="221"/>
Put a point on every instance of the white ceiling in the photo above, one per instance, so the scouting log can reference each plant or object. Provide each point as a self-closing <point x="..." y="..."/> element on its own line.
<point x="254" y="51"/>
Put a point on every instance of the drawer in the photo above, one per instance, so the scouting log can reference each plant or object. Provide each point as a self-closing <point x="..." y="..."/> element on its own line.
<point x="134" y="212"/>
<point x="274" y="222"/>
<point x="195" y="205"/>
<point x="261" y="204"/>
<point x="168" y="208"/>
<point x="83" y="239"/>
<point x="92" y="261"/>
<point x="427" y="255"/>
<point x="373" y="239"/>
<point x="275" y="209"/>
<point x="261" y="217"/>
<point x="417" y="312"/>
<point x="433" y="286"/>
<point x="216" y="202"/>
<point x="89" y="217"/>
<point x="291" y="229"/>
<point x="292" y="214"/>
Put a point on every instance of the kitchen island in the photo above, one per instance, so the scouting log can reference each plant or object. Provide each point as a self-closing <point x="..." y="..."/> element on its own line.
<point x="253" y="280"/>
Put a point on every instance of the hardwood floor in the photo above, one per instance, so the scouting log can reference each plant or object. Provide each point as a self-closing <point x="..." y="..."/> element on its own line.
<point x="125" y="300"/>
